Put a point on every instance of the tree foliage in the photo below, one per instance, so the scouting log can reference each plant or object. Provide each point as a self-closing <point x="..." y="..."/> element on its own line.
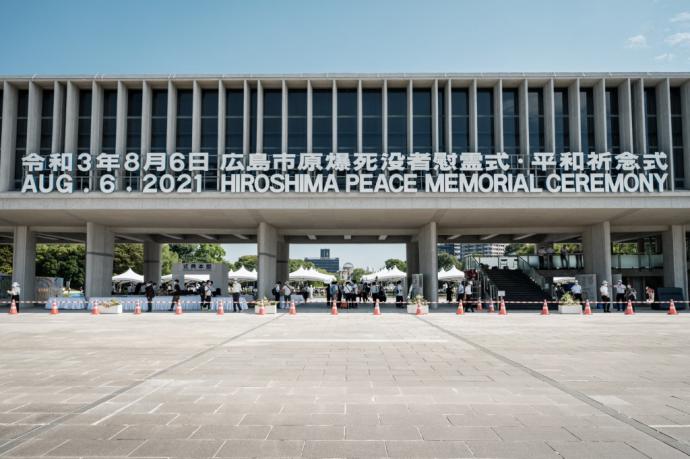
<point x="250" y="262"/>
<point x="6" y="259"/>
<point x="62" y="260"/>
<point x="400" y="264"/>
<point x="447" y="261"/>
<point x="198" y="253"/>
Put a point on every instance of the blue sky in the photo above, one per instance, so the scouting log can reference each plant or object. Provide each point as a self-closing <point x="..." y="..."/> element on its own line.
<point x="278" y="36"/>
<point x="264" y="36"/>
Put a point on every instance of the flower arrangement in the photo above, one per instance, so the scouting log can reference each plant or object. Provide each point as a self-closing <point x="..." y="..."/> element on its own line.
<point x="420" y="299"/>
<point x="568" y="299"/>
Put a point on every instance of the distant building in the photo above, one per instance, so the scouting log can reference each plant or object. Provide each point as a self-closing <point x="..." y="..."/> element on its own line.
<point x="331" y="265"/>
<point x="478" y="249"/>
<point x="346" y="272"/>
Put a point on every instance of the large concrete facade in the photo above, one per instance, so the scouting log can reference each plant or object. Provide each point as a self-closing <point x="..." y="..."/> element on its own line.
<point x="242" y="124"/>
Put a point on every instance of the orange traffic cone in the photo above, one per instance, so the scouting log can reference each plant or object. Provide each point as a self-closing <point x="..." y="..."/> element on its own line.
<point x="13" y="309"/>
<point x="178" y="309"/>
<point x="54" y="309"/>
<point x="491" y="306"/>
<point x="502" y="309"/>
<point x="629" y="309"/>
<point x="460" y="310"/>
<point x="377" y="308"/>
<point x="545" y="309"/>
<point x="671" y="309"/>
<point x="262" y="310"/>
<point x="137" y="308"/>
<point x="219" y="309"/>
<point x="334" y="309"/>
<point x="94" y="309"/>
<point x="419" y="309"/>
<point x="588" y="309"/>
<point x="293" y="310"/>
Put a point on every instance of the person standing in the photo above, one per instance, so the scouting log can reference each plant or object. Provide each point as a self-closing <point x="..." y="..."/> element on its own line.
<point x="175" y="294"/>
<point x="541" y="253"/>
<point x="549" y="257"/>
<point x="287" y="292"/>
<point x="15" y="293"/>
<point x="347" y="294"/>
<point x="276" y="292"/>
<point x="399" y="299"/>
<point x="649" y="295"/>
<point x="605" y="296"/>
<point x="631" y="295"/>
<point x="150" y="295"/>
<point x="619" y="290"/>
<point x="236" y="290"/>
<point x="576" y="290"/>
<point x="565" y="261"/>
<point x="449" y="292"/>
<point x="469" y="305"/>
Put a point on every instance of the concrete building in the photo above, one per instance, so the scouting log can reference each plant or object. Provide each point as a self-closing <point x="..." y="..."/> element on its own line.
<point x="519" y="114"/>
<point x="324" y="261"/>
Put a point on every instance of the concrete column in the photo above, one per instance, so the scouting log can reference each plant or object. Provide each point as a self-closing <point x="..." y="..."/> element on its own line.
<point x="310" y="119"/>
<point x="267" y="266"/>
<point x="121" y="127"/>
<point x="663" y="110"/>
<point x="259" y="117"/>
<point x="152" y="261"/>
<point x="360" y="115"/>
<point x="246" y="125"/>
<point x="384" y="116"/>
<point x="549" y="118"/>
<point x="410" y="117"/>
<point x="9" y="136"/>
<point x="24" y="262"/>
<point x="675" y="258"/>
<point x="334" y="116"/>
<point x="284" y="118"/>
<point x="96" y="142"/>
<point x="57" y="144"/>
<point x="596" y="248"/>
<point x="412" y="258"/>
<point x="428" y="261"/>
<point x="434" y="117"/>
<point x="523" y="122"/>
<point x="473" y="117"/>
<point x="625" y="118"/>
<point x="222" y="102"/>
<point x="600" y="138"/>
<point x="574" y="116"/>
<point x="639" y="119"/>
<point x="146" y="107"/>
<point x="171" y="125"/>
<point x="283" y="261"/>
<point x="448" y="94"/>
<point x="685" y="110"/>
<point x="196" y="117"/>
<point x="72" y="120"/>
<point x="498" y="116"/>
<point x="99" y="260"/>
<point x="33" y="125"/>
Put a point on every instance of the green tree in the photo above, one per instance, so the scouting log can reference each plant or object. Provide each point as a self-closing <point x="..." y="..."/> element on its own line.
<point x="168" y="259"/>
<point x="294" y="264"/>
<point x="447" y="261"/>
<point x="627" y="248"/>
<point x="248" y="261"/>
<point x="198" y="253"/>
<point x="62" y="260"/>
<point x="520" y="249"/>
<point x="401" y="265"/>
<point x="6" y="259"/>
<point x="128" y="256"/>
<point x="357" y="274"/>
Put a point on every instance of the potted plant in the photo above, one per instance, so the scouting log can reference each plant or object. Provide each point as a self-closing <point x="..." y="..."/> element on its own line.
<point x="112" y="306"/>
<point x="265" y="305"/>
<point x="423" y="305"/>
<point x="568" y="305"/>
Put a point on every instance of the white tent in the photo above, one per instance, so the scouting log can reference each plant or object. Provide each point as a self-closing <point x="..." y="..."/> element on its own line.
<point x="187" y="278"/>
<point x="310" y="274"/>
<point x="451" y="275"/>
<point x="385" y="275"/>
<point x="243" y="274"/>
<point x="128" y="276"/>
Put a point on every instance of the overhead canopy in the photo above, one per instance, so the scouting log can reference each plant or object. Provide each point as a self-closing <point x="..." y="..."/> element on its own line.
<point x="450" y="275"/>
<point x="385" y="275"/>
<point x="187" y="278"/>
<point x="243" y="274"/>
<point x="310" y="274"/>
<point x="128" y="276"/>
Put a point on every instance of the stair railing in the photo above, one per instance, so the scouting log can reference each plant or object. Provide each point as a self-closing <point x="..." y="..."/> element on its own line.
<point x="487" y="287"/>
<point x="525" y="267"/>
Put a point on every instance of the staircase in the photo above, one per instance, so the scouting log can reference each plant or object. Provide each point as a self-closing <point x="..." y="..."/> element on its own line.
<point x="518" y="287"/>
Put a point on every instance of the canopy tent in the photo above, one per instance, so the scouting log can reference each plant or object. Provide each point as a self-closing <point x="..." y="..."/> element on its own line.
<point x="128" y="276"/>
<point x="453" y="274"/>
<point x="310" y="274"/>
<point x="243" y="274"/>
<point x="187" y="278"/>
<point x="385" y="275"/>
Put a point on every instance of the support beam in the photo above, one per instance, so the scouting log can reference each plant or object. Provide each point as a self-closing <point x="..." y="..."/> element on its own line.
<point x="9" y="136"/>
<point x="283" y="261"/>
<point x="267" y="269"/>
<point x="412" y="258"/>
<point x="596" y="248"/>
<point x="24" y="262"/>
<point x="99" y="260"/>
<point x="428" y="262"/>
<point x="675" y="261"/>
<point x="152" y="261"/>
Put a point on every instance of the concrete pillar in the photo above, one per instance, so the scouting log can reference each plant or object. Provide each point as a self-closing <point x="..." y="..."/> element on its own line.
<point x="384" y="116"/>
<point x="410" y="117"/>
<point x="259" y="117"/>
<point x="412" y="258"/>
<point x="196" y="116"/>
<point x="33" y="128"/>
<point x="121" y="127"/>
<point x="152" y="261"/>
<point x="600" y="136"/>
<point x="284" y="118"/>
<point x="675" y="258"/>
<point x="596" y="248"/>
<point x="310" y="118"/>
<point x="9" y="136"/>
<point x="663" y="110"/>
<point x="523" y="122"/>
<point x="685" y="110"/>
<point x="171" y="132"/>
<point x="428" y="261"/>
<point x="434" y="117"/>
<point x="334" y="116"/>
<point x="474" y="145"/>
<point x="222" y="102"/>
<point x="96" y="142"/>
<point x="99" y="260"/>
<point x="24" y="262"/>
<point x="283" y="261"/>
<point x="448" y="94"/>
<point x="639" y="118"/>
<point x="625" y="116"/>
<point x="498" y="116"/>
<point x="360" y="117"/>
<point x="549" y="117"/>
<point x="146" y="107"/>
<point x="267" y="269"/>
<point x="246" y="124"/>
<point x="71" y="120"/>
<point x="574" y="116"/>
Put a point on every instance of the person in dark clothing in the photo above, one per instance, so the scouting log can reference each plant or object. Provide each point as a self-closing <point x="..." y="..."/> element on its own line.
<point x="150" y="295"/>
<point x="176" y="294"/>
<point x="449" y="292"/>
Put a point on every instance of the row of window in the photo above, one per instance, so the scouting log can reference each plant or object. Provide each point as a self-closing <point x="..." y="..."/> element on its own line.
<point x="346" y="114"/>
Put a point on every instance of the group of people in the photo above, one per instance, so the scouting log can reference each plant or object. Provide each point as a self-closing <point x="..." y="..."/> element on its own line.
<point x="546" y="257"/>
<point x="205" y="291"/>
<point x="464" y="291"/>
<point x="623" y="294"/>
<point x="364" y="292"/>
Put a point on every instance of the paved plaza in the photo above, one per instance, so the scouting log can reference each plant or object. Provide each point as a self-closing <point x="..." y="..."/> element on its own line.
<point x="355" y="385"/>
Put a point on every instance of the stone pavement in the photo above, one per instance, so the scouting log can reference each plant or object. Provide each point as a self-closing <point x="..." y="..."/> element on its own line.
<point x="355" y="385"/>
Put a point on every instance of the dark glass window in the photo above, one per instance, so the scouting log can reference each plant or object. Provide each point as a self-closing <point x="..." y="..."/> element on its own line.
<point x="322" y="121"/>
<point x="47" y="122"/>
<point x="461" y="120"/>
<point x="20" y="138"/>
<point x="134" y="109"/>
<point x="511" y="125"/>
<point x="209" y="135"/>
<point x="273" y="106"/>
<point x="0" y="114"/>
<point x="297" y="121"/>
<point x="397" y="120"/>
<point x="109" y="121"/>
<point x="561" y="120"/>
<point x="183" y="138"/>
<point x="441" y="106"/>
<point x="485" y="120"/>
<point x="613" y="136"/>
<point x="421" y="120"/>
<point x="587" y="120"/>
<point x="677" y="134"/>
<point x="372" y="121"/>
<point x="159" y="120"/>
<point x="347" y="120"/>
<point x="535" y="104"/>
<point x="83" y="136"/>
<point x="234" y="121"/>
<point x="651" y="120"/>
<point x="253" y="104"/>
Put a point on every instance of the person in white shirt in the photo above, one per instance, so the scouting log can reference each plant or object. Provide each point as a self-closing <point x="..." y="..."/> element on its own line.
<point x="236" y="289"/>
<point x="605" y="296"/>
<point x="399" y="300"/>
<point x="619" y="290"/>
<point x="576" y="290"/>
<point x="14" y="293"/>
<point x="287" y="291"/>
<point x="469" y="305"/>
<point x="310" y="292"/>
